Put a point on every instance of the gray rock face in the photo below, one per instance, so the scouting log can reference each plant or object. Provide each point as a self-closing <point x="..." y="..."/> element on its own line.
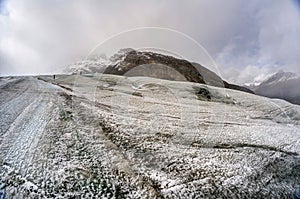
<point x="282" y="85"/>
<point x="130" y="62"/>
<point x="108" y="136"/>
<point x="136" y="63"/>
<point x="132" y="59"/>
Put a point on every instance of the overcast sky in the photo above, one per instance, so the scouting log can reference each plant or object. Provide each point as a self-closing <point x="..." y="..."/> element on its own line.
<point x="247" y="39"/>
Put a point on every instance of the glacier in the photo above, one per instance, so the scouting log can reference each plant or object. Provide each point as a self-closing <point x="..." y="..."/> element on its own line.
<point x="110" y="136"/>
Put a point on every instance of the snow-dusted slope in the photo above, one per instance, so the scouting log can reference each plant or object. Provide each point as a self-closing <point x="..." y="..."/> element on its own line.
<point x="282" y="85"/>
<point x="281" y="76"/>
<point x="96" y="63"/>
<point x="140" y="137"/>
<point x="92" y="64"/>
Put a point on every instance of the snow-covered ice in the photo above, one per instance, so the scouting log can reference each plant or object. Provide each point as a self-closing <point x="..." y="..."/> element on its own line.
<point x="138" y="137"/>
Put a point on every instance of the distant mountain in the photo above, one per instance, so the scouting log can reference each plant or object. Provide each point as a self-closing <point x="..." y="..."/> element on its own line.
<point x="282" y="85"/>
<point x="92" y="64"/>
<point x="130" y="62"/>
<point x="150" y="64"/>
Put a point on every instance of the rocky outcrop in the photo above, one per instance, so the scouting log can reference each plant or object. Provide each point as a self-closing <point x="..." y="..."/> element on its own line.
<point x="132" y="59"/>
<point x="130" y="62"/>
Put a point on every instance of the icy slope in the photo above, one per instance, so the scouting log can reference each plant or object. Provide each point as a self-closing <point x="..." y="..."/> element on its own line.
<point x="139" y="137"/>
<point x="282" y="85"/>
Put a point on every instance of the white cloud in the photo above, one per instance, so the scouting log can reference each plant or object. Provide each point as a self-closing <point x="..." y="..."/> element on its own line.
<point x="244" y="38"/>
<point x="274" y="43"/>
<point x="249" y="74"/>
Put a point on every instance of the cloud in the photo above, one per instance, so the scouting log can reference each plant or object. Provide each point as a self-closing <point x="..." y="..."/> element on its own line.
<point x="242" y="37"/>
<point x="250" y="74"/>
<point x="274" y="42"/>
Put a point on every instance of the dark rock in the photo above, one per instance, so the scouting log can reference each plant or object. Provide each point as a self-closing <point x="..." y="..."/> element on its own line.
<point x="237" y="87"/>
<point x="204" y="93"/>
<point x="136" y="63"/>
<point x="133" y="59"/>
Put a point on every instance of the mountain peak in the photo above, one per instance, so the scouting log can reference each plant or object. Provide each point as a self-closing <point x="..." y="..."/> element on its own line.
<point x="131" y="62"/>
<point x="282" y="85"/>
<point x="280" y="76"/>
